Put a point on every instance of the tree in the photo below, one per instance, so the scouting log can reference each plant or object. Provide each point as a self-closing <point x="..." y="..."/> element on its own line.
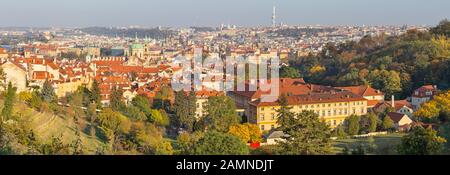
<point x="142" y="103"/>
<point x="247" y="132"/>
<point x="135" y="113"/>
<point x="150" y="139"/>
<point x="48" y="92"/>
<point x="353" y="125"/>
<point x="159" y="118"/>
<point x="216" y="143"/>
<point x="186" y="142"/>
<point x="184" y="108"/>
<point x="113" y="124"/>
<point x="162" y="98"/>
<point x="116" y="102"/>
<point x="289" y="72"/>
<point x="373" y="122"/>
<point x="388" y="123"/>
<point x="56" y="147"/>
<point x="221" y="114"/>
<point x="340" y="133"/>
<point x="307" y="135"/>
<point x="92" y="114"/>
<point x="76" y="102"/>
<point x="94" y="95"/>
<point x="285" y="116"/>
<point x="440" y="104"/>
<point x="2" y="79"/>
<point x="35" y="100"/>
<point x="8" y="103"/>
<point x="421" y="141"/>
<point x="387" y="81"/>
<point x="442" y="29"/>
<point x="77" y="144"/>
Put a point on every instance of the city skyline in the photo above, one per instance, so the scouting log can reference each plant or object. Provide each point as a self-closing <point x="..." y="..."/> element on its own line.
<point x="184" y="13"/>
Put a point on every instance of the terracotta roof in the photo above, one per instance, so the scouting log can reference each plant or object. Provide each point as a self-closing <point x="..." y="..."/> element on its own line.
<point x="362" y="90"/>
<point x="372" y="102"/>
<point x="41" y="75"/>
<point x="422" y="91"/>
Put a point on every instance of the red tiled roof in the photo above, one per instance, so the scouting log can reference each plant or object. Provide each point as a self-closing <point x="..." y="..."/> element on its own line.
<point x="421" y="92"/>
<point x="41" y="75"/>
<point x="362" y="90"/>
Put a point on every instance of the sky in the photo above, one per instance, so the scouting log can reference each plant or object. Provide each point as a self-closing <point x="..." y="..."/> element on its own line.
<point x="184" y="13"/>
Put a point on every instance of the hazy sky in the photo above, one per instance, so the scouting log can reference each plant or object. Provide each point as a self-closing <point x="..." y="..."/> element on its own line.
<point x="81" y="13"/>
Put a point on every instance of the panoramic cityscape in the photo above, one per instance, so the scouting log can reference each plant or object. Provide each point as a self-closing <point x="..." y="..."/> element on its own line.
<point x="120" y="80"/>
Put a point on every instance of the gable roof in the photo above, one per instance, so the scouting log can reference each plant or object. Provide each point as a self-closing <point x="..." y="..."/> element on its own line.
<point x="362" y="90"/>
<point x="396" y="117"/>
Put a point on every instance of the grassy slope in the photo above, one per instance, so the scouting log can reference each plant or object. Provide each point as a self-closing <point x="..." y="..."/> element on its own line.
<point x="386" y="144"/>
<point x="46" y="125"/>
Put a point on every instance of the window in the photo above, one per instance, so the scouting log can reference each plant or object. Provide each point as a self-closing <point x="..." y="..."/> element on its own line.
<point x="262" y="128"/>
<point x="323" y="113"/>
<point x="262" y="117"/>
<point x="329" y="112"/>
<point x="273" y="116"/>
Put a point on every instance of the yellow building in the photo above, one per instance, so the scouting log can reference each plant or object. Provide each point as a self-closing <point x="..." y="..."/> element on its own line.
<point x="333" y="107"/>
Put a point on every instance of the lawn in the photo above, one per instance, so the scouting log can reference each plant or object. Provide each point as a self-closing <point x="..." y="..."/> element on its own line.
<point x="377" y="145"/>
<point x="47" y="125"/>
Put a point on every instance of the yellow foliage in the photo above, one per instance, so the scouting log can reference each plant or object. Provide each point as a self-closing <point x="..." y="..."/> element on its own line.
<point x="25" y="96"/>
<point x="317" y="69"/>
<point x="443" y="43"/>
<point x="246" y="132"/>
<point x="432" y="108"/>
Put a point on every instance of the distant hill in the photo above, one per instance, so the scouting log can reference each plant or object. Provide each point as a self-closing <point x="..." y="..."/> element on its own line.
<point x="153" y="33"/>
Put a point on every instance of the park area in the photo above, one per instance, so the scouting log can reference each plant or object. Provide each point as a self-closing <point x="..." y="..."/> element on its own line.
<point x="375" y="145"/>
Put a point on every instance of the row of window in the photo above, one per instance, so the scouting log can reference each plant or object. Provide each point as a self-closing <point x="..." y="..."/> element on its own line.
<point x="324" y="113"/>
<point x="322" y="105"/>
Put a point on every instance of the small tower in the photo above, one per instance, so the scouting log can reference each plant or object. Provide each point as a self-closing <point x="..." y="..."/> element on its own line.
<point x="274" y="16"/>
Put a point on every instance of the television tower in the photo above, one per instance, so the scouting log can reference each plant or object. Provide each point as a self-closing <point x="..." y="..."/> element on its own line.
<point x="274" y="16"/>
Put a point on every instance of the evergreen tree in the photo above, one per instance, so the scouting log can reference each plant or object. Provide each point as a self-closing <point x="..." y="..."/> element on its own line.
<point x="285" y="116"/>
<point x="2" y="79"/>
<point x="353" y="125"/>
<point x="48" y="92"/>
<point x="116" y="102"/>
<point x="373" y="122"/>
<point x="8" y="103"/>
<point x="306" y="135"/>
<point x="95" y="93"/>
<point x="184" y="109"/>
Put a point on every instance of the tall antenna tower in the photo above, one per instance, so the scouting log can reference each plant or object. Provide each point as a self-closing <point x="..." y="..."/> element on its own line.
<point x="274" y="15"/>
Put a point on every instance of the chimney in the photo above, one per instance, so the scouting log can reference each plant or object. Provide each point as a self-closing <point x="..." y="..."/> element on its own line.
<point x="393" y="101"/>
